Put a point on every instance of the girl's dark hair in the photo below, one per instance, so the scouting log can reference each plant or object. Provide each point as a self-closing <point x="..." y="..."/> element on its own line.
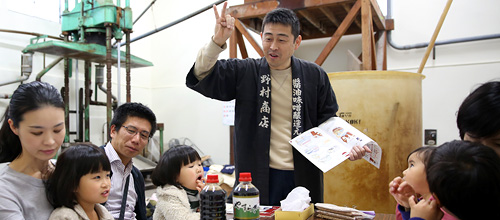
<point x="27" y="97"/>
<point x="170" y="164"/>
<point x="479" y="114"/>
<point x="72" y="164"/>
<point x="462" y="175"/>
<point x="423" y="153"/>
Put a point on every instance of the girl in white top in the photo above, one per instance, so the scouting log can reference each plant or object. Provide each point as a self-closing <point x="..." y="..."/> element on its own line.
<point x="178" y="171"/>
<point x="80" y="182"/>
<point x="33" y="129"/>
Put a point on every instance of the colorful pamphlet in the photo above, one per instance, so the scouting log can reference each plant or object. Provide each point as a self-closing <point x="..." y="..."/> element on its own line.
<point x="329" y="144"/>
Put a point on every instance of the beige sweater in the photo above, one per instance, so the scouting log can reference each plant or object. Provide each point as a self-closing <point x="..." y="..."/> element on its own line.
<point x="173" y="204"/>
<point x="65" y="213"/>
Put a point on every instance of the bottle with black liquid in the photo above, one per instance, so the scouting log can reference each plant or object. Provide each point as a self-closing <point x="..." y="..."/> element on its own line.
<point x="246" y="201"/>
<point x="213" y="200"/>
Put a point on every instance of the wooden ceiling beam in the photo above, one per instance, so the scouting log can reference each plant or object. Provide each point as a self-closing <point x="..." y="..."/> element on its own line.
<point x="305" y="31"/>
<point x="329" y="14"/>
<point x="252" y="10"/>
<point x="317" y="3"/>
<point x="348" y="9"/>
<point x="312" y="20"/>
<point x="339" y="32"/>
<point x="249" y="37"/>
<point x="378" y="17"/>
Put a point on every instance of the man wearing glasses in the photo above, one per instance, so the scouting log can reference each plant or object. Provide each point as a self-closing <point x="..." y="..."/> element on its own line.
<point x="132" y="126"/>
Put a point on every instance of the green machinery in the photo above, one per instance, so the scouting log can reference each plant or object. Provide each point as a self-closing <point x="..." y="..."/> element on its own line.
<point x="87" y="33"/>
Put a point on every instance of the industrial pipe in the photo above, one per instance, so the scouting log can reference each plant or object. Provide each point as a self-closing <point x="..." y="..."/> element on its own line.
<point x="99" y="80"/>
<point x="147" y="8"/>
<point x="177" y="21"/>
<point x="49" y="67"/>
<point x="26" y="68"/>
<point x="30" y="33"/>
<point x="423" y="45"/>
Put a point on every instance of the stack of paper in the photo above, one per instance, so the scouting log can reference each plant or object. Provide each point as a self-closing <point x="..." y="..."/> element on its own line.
<point x="330" y="211"/>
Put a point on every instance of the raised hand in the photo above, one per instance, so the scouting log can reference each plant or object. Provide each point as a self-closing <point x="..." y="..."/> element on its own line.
<point x="224" y="26"/>
<point x="401" y="191"/>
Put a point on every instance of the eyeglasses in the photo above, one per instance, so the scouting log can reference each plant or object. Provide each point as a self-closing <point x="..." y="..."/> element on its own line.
<point x="133" y="131"/>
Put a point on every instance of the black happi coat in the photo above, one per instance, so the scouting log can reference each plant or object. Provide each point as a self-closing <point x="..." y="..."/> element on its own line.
<point x="248" y="81"/>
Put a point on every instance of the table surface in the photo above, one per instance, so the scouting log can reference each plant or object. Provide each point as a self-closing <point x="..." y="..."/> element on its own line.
<point x="378" y="216"/>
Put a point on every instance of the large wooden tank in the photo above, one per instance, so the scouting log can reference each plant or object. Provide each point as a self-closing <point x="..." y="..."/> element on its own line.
<point x="387" y="107"/>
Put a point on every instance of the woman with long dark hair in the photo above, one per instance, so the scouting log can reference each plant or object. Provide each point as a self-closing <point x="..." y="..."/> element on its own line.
<point x="32" y="132"/>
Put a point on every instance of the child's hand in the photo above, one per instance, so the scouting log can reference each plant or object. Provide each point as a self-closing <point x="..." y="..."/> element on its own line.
<point x="401" y="191"/>
<point x="200" y="184"/>
<point x="426" y="209"/>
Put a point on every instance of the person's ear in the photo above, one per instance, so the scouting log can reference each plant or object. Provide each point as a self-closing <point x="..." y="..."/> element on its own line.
<point x="112" y="131"/>
<point x="298" y="40"/>
<point x="436" y="199"/>
<point x="12" y="127"/>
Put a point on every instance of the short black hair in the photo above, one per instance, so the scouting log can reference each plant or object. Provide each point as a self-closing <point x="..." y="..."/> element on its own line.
<point x="479" y="113"/>
<point x="170" y="164"/>
<point x="423" y="153"/>
<point x="71" y="165"/>
<point x="285" y="17"/>
<point x="133" y="109"/>
<point x="463" y="175"/>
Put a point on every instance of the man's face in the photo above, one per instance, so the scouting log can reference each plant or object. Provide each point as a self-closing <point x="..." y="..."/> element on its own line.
<point x="131" y="138"/>
<point x="279" y="45"/>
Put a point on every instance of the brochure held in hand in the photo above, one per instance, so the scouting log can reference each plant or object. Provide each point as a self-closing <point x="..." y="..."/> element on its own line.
<point x="329" y="144"/>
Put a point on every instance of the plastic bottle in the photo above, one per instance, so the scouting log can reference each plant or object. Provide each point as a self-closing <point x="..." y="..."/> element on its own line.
<point x="246" y="201"/>
<point x="213" y="199"/>
<point x="205" y="171"/>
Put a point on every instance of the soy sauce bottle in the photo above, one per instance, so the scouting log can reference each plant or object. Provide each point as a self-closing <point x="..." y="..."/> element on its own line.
<point x="213" y="200"/>
<point x="246" y="201"/>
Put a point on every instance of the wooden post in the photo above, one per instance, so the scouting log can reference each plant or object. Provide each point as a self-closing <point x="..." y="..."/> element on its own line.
<point x="241" y="44"/>
<point x="366" y="34"/>
<point x="434" y="36"/>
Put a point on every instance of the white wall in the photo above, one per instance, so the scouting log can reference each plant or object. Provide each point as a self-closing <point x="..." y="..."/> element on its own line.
<point x="457" y="69"/>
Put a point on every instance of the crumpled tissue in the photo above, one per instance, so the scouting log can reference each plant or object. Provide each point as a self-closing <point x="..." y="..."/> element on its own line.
<point x="297" y="200"/>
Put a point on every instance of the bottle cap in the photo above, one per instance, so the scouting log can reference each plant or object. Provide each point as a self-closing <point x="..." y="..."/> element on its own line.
<point x="245" y="177"/>
<point x="212" y="178"/>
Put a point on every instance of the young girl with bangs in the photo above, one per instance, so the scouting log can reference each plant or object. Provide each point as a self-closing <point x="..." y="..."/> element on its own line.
<point x="413" y="185"/>
<point x="80" y="182"/>
<point x="179" y="177"/>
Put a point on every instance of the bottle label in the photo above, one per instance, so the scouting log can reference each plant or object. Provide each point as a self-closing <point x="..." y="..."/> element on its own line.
<point x="246" y="207"/>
